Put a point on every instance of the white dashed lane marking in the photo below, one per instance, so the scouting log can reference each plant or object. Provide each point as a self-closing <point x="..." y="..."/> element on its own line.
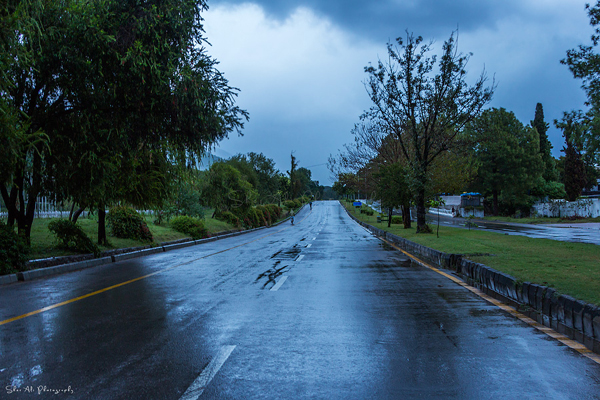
<point x="197" y="387"/>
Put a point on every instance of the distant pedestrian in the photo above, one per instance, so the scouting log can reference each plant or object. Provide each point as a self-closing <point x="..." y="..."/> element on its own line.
<point x="292" y="217"/>
<point x="310" y="204"/>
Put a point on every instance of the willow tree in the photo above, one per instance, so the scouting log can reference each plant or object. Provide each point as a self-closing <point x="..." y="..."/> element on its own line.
<point x="121" y="89"/>
<point x="424" y="104"/>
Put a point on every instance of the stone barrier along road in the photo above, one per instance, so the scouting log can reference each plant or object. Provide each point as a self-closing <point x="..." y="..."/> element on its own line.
<point x="576" y="319"/>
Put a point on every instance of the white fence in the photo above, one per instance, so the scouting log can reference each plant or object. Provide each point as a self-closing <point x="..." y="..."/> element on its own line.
<point x="588" y="208"/>
<point x="44" y="208"/>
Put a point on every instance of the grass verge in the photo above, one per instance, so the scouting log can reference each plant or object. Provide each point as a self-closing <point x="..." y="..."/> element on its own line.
<point x="43" y="244"/>
<point x="570" y="268"/>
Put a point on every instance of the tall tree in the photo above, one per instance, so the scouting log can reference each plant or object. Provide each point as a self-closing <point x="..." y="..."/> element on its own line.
<point x="541" y="127"/>
<point x="508" y="158"/>
<point x="574" y="168"/>
<point x="116" y="85"/>
<point x="295" y="184"/>
<point x="394" y="191"/>
<point x="424" y="104"/>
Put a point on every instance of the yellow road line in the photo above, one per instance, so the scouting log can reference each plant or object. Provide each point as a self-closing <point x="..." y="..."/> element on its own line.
<point x="542" y="328"/>
<point x="85" y="296"/>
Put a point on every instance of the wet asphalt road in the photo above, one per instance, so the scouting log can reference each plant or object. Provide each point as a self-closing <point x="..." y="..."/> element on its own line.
<point x="320" y="310"/>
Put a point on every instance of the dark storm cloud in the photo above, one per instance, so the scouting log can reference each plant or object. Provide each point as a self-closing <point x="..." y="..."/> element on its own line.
<point x="387" y="19"/>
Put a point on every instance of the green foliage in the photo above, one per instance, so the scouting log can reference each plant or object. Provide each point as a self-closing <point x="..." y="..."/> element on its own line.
<point x="541" y="127"/>
<point x="121" y="91"/>
<point x="226" y="190"/>
<point x="70" y="236"/>
<point x="290" y="204"/>
<point x="574" y="168"/>
<point x="127" y="223"/>
<point x="274" y="210"/>
<point x="190" y="226"/>
<point x="229" y="217"/>
<point x="396" y="219"/>
<point x="507" y="156"/>
<point x="12" y="251"/>
<point x="423" y="102"/>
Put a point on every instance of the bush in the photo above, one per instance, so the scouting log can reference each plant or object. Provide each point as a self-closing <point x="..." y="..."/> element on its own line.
<point x="275" y="211"/>
<point x="126" y="223"/>
<point x="12" y="251"/>
<point x="396" y="219"/>
<point x="290" y="204"/>
<point x="70" y="236"/>
<point x="190" y="226"/>
<point x="369" y="212"/>
<point x="304" y="199"/>
<point x="298" y="203"/>
<point x="230" y="218"/>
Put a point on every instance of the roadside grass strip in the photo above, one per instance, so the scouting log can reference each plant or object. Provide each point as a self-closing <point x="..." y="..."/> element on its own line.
<point x="63" y="303"/>
<point x="505" y="307"/>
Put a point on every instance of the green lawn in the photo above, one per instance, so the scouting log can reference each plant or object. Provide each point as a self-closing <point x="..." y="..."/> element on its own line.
<point x="571" y="268"/>
<point x="42" y="240"/>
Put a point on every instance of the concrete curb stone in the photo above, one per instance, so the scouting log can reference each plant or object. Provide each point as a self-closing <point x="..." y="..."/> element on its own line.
<point x="6" y="279"/>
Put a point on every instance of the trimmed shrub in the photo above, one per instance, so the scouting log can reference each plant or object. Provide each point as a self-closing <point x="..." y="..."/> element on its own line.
<point x="290" y="204"/>
<point x="12" y="251"/>
<point x="275" y="211"/>
<point x="126" y="223"/>
<point x="369" y="212"/>
<point x="396" y="219"/>
<point x="266" y="214"/>
<point x="190" y="226"/>
<point x="261" y="218"/>
<point x="70" y="236"/>
<point x="230" y="218"/>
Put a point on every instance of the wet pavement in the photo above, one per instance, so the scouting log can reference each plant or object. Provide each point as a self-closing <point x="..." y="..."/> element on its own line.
<point x="319" y="310"/>
<point x="576" y="232"/>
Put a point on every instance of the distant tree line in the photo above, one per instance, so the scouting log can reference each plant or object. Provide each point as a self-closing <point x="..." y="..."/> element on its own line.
<point x="427" y="132"/>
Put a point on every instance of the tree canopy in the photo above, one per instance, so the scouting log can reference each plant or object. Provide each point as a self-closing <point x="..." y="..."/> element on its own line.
<point x="94" y="92"/>
<point x="424" y="104"/>
<point x="507" y="155"/>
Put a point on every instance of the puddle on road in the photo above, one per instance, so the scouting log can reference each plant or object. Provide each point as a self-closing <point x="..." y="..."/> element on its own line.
<point x="290" y="254"/>
<point x="272" y="274"/>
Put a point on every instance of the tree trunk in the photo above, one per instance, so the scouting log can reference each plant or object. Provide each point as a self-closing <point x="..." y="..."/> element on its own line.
<point x="390" y="217"/>
<point x="421" y="220"/>
<point x="102" y="226"/>
<point x="77" y="213"/>
<point x="495" y="201"/>
<point x="10" y="201"/>
<point x="406" y="216"/>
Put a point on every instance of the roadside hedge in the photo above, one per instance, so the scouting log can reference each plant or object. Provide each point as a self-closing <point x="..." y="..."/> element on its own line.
<point x="12" y="250"/>
<point x="70" y="236"/>
<point x="126" y="223"/>
<point x="190" y="226"/>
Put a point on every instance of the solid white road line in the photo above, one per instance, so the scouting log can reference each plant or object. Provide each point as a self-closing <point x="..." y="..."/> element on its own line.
<point x="197" y="387"/>
<point x="278" y="284"/>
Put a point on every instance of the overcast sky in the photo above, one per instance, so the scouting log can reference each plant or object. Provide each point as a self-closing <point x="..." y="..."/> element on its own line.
<point x="300" y="63"/>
